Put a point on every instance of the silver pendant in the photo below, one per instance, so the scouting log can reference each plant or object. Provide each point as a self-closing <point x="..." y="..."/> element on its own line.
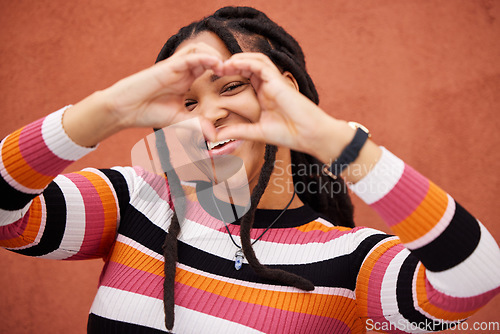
<point x="238" y="259"/>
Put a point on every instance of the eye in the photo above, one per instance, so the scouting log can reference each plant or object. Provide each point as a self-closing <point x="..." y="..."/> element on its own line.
<point x="190" y="104"/>
<point x="233" y="88"/>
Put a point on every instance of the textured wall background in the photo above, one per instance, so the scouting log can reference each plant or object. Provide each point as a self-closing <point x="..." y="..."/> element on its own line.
<point x="424" y="76"/>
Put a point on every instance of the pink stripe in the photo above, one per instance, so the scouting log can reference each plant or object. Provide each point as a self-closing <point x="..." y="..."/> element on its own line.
<point x="157" y="182"/>
<point x="292" y="236"/>
<point x="375" y="282"/>
<point x="35" y="152"/>
<point x="458" y="304"/>
<point x="15" y="229"/>
<point x="94" y="216"/>
<point x="133" y="280"/>
<point x="263" y="318"/>
<point x="404" y="198"/>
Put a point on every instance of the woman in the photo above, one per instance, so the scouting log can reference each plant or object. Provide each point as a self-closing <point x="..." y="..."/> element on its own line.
<point x="300" y="264"/>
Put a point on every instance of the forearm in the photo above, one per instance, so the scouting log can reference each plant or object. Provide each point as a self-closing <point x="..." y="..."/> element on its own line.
<point x="91" y="120"/>
<point x="438" y="231"/>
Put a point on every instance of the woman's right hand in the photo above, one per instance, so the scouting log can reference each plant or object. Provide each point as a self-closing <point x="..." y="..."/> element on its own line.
<point x="151" y="98"/>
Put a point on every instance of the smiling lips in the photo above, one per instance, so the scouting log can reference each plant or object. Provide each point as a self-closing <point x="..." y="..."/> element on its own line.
<point x="223" y="147"/>
<point x="211" y="145"/>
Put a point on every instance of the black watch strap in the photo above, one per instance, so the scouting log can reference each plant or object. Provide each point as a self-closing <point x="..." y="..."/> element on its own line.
<point x="350" y="153"/>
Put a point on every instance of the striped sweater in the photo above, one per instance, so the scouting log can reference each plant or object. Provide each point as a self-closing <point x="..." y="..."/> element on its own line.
<point x="441" y="266"/>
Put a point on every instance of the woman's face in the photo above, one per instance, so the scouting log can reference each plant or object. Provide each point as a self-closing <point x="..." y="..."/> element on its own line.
<point x="224" y="101"/>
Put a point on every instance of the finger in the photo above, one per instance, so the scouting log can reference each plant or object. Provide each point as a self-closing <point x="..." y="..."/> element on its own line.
<point x="196" y="63"/>
<point x="245" y="131"/>
<point x="207" y="127"/>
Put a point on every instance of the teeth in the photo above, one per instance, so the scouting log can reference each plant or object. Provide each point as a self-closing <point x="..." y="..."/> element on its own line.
<point x="212" y="145"/>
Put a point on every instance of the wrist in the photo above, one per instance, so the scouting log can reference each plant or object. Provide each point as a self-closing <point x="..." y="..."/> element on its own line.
<point x="334" y="136"/>
<point x="90" y="121"/>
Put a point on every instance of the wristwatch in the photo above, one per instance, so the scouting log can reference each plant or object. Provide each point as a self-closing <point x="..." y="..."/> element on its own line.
<point x="351" y="152"/>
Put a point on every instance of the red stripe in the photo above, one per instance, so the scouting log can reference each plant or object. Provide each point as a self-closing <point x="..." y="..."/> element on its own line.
<point x="15" y="229"/>
<point x="36" y="153"/>
<point x="133" y="280"/>
<point x="375" y="282"/>
<point x="404" y="198"/>
<point x="94" y="217"/>
<point x="263" y="318"/>
<point x="196" y="213"/>
<point x="458" y="304"/>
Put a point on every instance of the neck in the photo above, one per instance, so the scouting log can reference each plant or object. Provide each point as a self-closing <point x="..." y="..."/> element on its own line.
<point x="280" y="189"/>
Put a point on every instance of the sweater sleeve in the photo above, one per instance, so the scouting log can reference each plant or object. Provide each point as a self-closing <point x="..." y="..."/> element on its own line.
<point x="44" y="214"/>
<point x="442" y="266"/>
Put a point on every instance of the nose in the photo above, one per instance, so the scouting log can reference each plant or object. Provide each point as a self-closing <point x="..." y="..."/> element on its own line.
<point x="213" y="111"/>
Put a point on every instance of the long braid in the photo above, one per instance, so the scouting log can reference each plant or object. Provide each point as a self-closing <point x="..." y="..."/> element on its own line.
<point x="249" y="29"/>
<point x="247" y="223"/>
<point x="170" y="250"/>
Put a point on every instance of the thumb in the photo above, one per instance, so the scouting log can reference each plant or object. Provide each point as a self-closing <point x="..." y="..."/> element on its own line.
<point x="240" y="131"/>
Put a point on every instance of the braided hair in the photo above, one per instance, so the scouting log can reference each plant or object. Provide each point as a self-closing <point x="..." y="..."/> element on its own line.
<point x="245" y="28"/>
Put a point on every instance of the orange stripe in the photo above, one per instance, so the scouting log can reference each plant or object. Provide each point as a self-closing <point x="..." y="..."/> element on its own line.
<point x="131" y="257"/>
<point x="365" y="272"/>
<point x="425" y="216"/>
<point x="17" y="167"/>
<point x="308" y="303"/>
<point x="426" y="305"/>
<point x="317" y="226"/>
<point x="28" y="236"/>
<point x="109" y="205"/>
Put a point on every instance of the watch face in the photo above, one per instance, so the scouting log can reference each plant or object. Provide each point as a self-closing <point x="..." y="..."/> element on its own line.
<point x="356" y="125"/>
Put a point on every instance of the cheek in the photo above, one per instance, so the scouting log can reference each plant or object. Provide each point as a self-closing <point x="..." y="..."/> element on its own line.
<point x="246" y="105"/>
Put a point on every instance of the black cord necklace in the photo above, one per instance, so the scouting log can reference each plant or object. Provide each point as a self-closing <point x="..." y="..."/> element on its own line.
<point x="238" y="255"/>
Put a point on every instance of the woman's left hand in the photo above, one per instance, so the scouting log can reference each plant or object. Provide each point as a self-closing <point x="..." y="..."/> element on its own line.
<point x="287" y="118"/>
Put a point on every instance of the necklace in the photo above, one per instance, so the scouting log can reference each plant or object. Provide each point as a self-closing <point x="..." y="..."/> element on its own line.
<point x="238" y="255"/>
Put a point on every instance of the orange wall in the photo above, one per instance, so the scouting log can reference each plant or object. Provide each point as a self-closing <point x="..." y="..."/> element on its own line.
<point x="424" y="76"/>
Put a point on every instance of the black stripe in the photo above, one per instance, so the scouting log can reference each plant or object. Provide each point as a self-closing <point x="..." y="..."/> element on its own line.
<point x="12" y="199"/>
<point x="454" y="245"/>
<point x="121" y="188"/>
<point x="136" y="226"/>
<point x="100" y="325"/>
<point x="359" y="254"/>
<point x="404" y="296"/>
<point x="338" y="272"/>
<point x="55" y="225"/>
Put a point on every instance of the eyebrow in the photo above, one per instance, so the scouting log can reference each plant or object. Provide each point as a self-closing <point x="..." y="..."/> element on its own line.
<point x="214" y="78"/>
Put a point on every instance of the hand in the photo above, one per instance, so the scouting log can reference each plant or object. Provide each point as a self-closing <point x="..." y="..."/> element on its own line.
<point x="155" y="97"/>
<point x="151" y="98"/>
<point x="287" y="118"/>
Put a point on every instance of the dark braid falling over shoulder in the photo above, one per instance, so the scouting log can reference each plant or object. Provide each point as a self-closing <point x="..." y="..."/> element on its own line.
<point x="247" y="29"/>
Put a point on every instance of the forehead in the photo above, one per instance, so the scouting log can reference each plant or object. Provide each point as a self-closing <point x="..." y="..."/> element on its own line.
<point x="210" y="39"/>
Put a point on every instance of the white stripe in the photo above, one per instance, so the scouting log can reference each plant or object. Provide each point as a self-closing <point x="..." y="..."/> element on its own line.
<point x="8" y="217"/>
<point x="389" y="296"/>
<point x="74" y="232"/>
<point x="58" y="141"/>
<point x="217" y="242"/>
<point x="439" y="228"/>
<point x="477" y="274"/>
<point x="13" y="183"/>
<point x="381" y="179"/>
<point x="140" y="247"/>
<point x="147" y="311"/>
<point x="148" y="200"/>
